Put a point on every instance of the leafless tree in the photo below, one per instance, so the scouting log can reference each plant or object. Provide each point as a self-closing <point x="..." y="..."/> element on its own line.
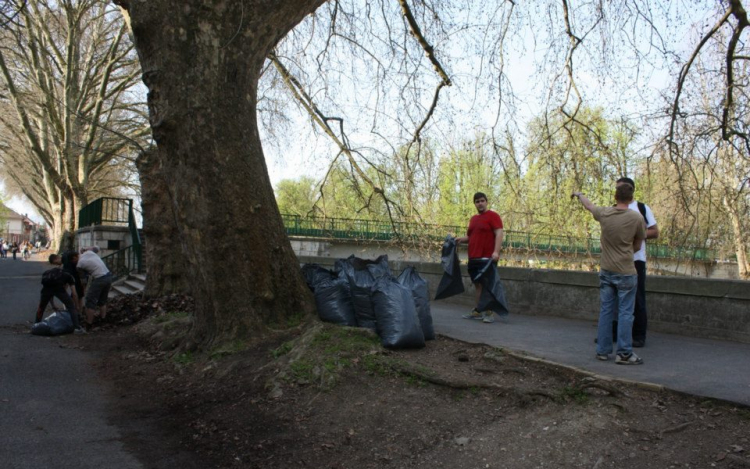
<point x="71" y="116"/>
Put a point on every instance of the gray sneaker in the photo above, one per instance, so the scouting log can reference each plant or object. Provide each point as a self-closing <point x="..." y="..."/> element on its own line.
<point x="473" y="314"/>
<point x="79" y="330"/>
<point x="631" y="359"/>
<point x="488" y="317"/>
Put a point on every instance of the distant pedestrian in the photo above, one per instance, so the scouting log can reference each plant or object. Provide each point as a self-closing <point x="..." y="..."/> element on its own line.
<point x="99" y="283"/>
<point x="640" y="319"/>
<point x="14" y="249"/>
<point x="485" y="239"/>
<point x="3" y="249"/>
<point x="54" y="284"/>
<point x="623" y="232"/>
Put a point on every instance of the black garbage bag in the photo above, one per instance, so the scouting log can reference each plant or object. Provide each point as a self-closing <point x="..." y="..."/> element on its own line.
<point x="397" y="321"/>
<point x="334" y="302"/>
<point x="315" y="274"/>
<point x="493" y="293"/>
<point x="451" y="284"/>
<point x="362" y="275"/>
<point x="57" y="323"/>
<point x="411" y="279"/>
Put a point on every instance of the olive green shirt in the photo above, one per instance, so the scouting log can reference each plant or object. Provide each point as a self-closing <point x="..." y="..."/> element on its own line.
<point x="620" y="228"/>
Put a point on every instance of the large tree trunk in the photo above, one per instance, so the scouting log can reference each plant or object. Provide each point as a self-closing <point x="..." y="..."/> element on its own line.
<point x="201" y="62"/>
<point x="165" y="265"/>
<point x="740" y="240"/>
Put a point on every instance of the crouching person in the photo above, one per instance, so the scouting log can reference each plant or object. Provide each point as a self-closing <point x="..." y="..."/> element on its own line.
<point x="623" y="231"/>
<point x="54" y="283"/>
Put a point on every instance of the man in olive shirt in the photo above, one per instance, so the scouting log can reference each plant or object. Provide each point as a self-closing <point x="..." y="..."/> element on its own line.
<point x="623" y="231"/>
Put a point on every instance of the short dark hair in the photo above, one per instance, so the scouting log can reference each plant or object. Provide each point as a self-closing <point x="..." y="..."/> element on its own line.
<point x="627" y="181"/>
<point x="52" y="257"/>
<point x="624" y="193"/>
<point x="479" y="195"/>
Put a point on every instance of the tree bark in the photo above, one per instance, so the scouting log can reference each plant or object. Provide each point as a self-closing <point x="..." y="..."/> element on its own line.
<point x="740" y="240"/>
<point x="201" y="62"/>
<point x="165" y="265"/>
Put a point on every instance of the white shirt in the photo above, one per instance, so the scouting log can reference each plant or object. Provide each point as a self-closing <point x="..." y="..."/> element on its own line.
<point x="651" y="221"/>
<point x="90" y="263"/>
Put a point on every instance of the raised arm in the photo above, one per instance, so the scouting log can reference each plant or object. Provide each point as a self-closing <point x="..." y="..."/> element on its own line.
<point x="584" y="201"/>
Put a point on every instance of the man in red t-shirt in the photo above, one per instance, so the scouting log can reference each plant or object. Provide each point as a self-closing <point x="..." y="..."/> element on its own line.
<point x="485" y="238"/>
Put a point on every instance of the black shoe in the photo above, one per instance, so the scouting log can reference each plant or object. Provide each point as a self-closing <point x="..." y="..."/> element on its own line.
<point x="638" y="343"/>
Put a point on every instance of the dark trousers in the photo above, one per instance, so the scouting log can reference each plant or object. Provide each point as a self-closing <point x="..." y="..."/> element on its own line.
<point x="640" y="321"/>
<point x="59" y="292"/>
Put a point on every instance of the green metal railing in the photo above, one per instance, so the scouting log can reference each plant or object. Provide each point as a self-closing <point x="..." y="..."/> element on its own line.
<point x="112" y="211"/>
<point x="121" y="263"/>
<point x="106" y="211"/>
<point x="369" y="230"/>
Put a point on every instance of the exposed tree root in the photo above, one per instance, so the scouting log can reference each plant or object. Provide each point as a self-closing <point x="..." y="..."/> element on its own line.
<point x="604" y="387"/>
<point x="675" y="429"/>
<point x="464" y="385"/>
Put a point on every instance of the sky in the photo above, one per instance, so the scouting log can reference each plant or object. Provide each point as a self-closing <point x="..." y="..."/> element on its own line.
<point x="463" y="108"/>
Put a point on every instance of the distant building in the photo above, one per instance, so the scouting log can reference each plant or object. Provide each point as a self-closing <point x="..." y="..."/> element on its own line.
<point x="16" y="227"/>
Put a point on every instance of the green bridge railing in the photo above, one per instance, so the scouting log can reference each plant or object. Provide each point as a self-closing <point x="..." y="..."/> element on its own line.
<point x="369" y="230"/>
<point x="113" y="211"/>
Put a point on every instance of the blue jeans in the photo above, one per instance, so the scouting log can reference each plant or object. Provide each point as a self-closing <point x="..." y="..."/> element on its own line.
<point x="617" y="296"/>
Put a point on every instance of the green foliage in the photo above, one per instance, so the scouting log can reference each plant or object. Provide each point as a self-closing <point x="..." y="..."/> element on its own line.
<point x="296" y="196"/>
<point x="282" y="350"/>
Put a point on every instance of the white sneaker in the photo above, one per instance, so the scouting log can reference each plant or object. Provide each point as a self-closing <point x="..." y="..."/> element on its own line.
<point x="79" y="330"/>
<point x="488" y="317"/>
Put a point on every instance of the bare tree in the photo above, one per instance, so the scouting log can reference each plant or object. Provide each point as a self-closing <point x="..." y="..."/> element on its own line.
<point x="71" y="114"/>
<point x="203" y="64"/>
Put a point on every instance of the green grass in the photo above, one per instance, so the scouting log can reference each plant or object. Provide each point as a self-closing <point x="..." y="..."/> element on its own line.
<point x="171" y="316"/>
<point x="224" y="350"/>
<point x="185" y="358"/>
<point x="569" y="393"/>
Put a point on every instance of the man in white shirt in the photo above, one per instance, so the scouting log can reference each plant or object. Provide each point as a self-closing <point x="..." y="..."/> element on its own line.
<point x="640" y="321"/>
<point x="100" y="281"/>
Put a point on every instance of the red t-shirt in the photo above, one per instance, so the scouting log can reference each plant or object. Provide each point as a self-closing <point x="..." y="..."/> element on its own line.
<point x="481" y="233"/>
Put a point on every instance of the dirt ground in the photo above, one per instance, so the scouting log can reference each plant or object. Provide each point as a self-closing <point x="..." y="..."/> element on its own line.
<point x="331" y="397"/>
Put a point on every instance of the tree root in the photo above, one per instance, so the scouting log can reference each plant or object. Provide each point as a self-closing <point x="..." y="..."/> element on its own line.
<point x="675" y="429"/>
<point x="604" y="387"/>
<point x="464" y="385"/>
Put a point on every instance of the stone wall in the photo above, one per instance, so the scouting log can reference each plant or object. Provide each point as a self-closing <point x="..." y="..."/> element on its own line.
<point x="103" y="237"/>
<point x="717" y="309"/>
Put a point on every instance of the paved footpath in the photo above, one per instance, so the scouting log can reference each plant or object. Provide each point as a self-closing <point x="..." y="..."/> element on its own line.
<point x="52" y="407"/>
<point x="711" y="368"/>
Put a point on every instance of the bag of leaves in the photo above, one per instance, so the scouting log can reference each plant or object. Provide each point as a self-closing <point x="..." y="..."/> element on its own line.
<point x="397" y="321"/>
<point x="315" y="275"/>
<point x="420" y="292"/>
<point x="451" y="284"/>
<point x="493" y="293"/>
<point x="57" y="323"/>
<point x="334" y="302"/>
<point x="362" y="275"/>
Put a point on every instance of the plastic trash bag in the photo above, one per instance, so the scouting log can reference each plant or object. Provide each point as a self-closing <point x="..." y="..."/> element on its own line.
<point x="420" y="291"/>
<point x="451" y="284"/>
<point x="315" y="274"/>
<point x="397" y="321"/>
<point x="493" y="293"/>
<point x="57" y="323"/>
<point x="362" y="275"/>
<point x="334" y="302"/>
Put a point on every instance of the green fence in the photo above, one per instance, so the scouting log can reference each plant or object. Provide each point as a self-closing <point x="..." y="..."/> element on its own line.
<point x="112" y="211"/>
<point x="369" y="230"/>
